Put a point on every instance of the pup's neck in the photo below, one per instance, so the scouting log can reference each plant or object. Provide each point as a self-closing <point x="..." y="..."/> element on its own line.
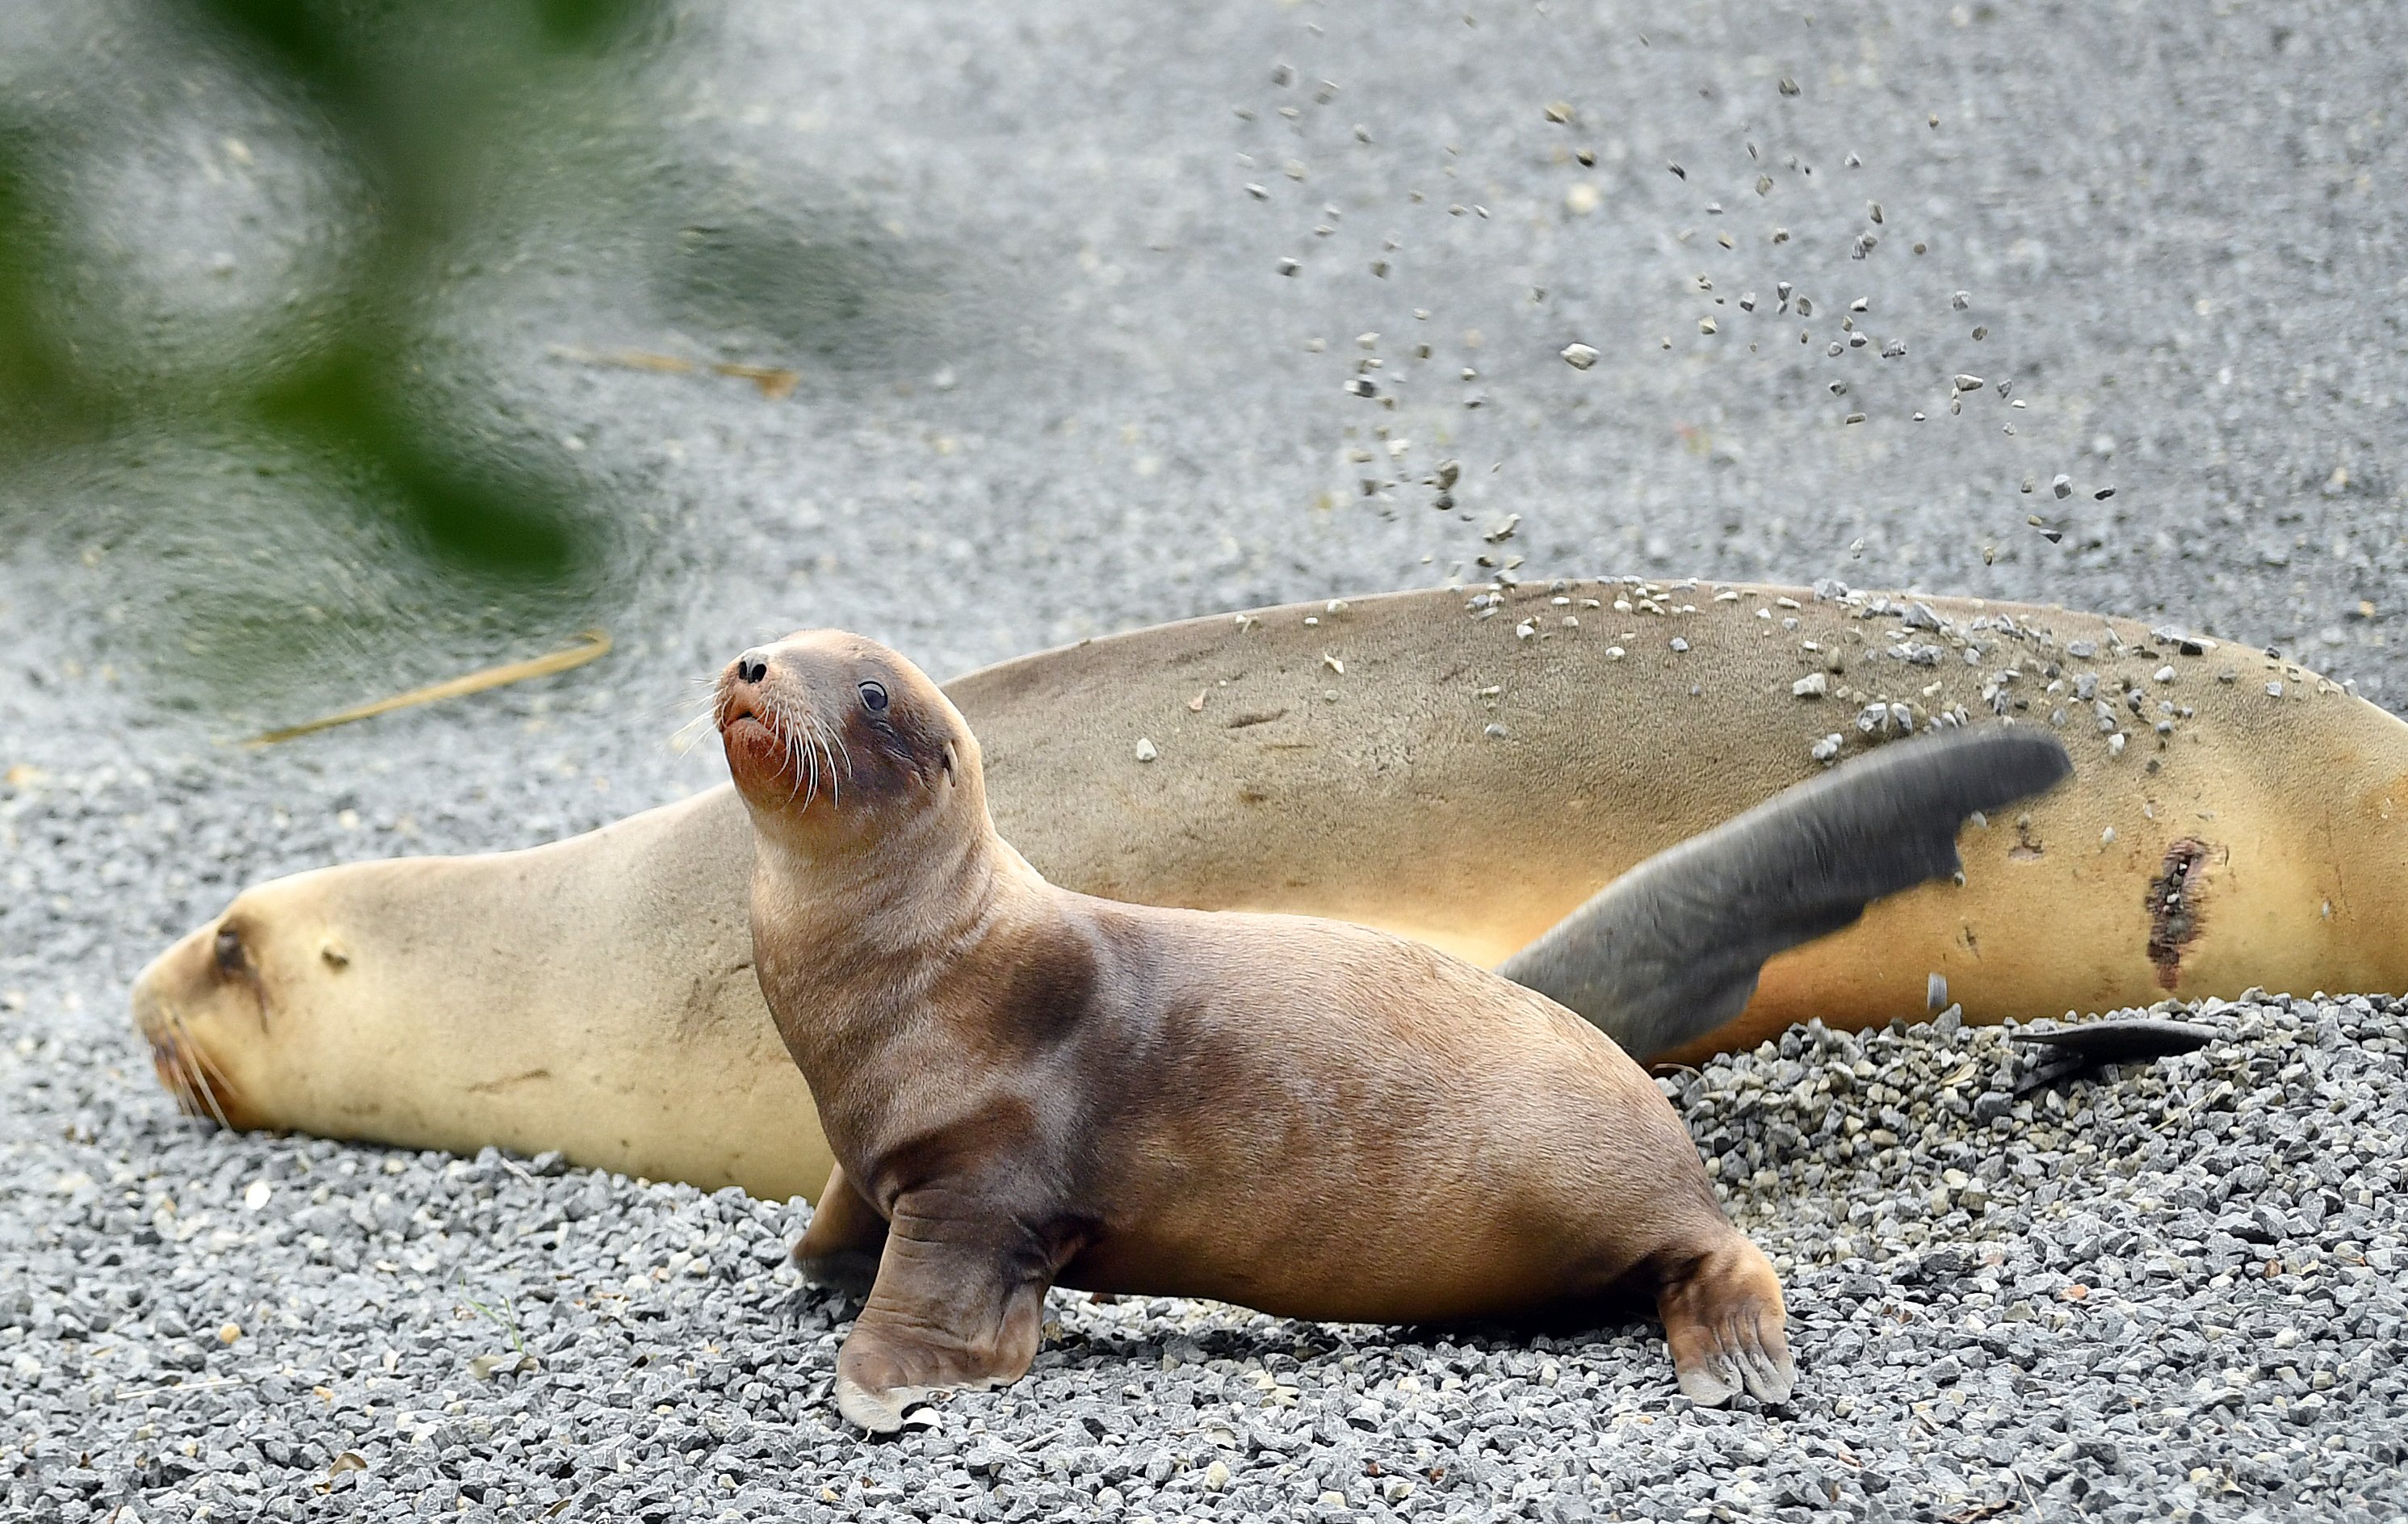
<point x="850" y="941"/>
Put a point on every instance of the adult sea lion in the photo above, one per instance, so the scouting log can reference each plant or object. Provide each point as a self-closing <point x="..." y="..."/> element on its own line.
<point x="1491" y="760"/>
<point x="1024" y="1085"/>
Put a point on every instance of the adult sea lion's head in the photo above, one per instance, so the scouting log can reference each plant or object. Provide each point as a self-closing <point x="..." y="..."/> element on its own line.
<point x="837" y="744"/>
<point x="212" y="1004"/>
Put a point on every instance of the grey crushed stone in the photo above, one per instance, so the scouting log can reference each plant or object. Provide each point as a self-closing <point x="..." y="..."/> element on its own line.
<point x="2177" y="1291"/>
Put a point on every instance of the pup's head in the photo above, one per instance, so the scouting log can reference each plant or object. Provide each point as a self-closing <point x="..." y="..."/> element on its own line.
<point x="834" y="740"/>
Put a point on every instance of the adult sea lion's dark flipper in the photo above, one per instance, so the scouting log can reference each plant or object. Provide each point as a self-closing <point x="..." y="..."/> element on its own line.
<point x="1671" y="949"/>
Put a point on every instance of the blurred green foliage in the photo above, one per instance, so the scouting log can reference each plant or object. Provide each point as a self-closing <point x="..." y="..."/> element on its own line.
<point x="39" y="387"/>
<point x="280" y="284"/>
<point x="319" y="408"/>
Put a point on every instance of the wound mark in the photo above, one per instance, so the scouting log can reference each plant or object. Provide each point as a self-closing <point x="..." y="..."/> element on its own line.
<point x="486" y="1088"/>
<point x="2173" y="906"/>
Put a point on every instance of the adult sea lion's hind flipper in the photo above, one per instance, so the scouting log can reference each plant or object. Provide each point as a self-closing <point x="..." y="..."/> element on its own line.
<point x="1671" y="949"/>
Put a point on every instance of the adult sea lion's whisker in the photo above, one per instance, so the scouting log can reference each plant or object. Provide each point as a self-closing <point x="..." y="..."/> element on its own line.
<point x="201" y="1082"/>
<point x="170" y="1067"/>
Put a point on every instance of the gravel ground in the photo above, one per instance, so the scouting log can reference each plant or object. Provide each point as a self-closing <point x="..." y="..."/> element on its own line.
<point x="1085" y="397"/>
<point x="2173" y="1290"/>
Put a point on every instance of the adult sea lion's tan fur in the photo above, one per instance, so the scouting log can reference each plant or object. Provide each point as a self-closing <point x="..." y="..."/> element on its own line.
<point x="1031" y="1085"/>
<point x="2263" y="842"/>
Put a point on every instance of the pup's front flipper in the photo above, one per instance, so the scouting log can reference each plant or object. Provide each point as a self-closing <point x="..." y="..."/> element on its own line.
<point x="1727" y="1328"/>
<point x="958" y="1303"/>
<point x="841" y="1247"/>
<point x="1671" y="949"/>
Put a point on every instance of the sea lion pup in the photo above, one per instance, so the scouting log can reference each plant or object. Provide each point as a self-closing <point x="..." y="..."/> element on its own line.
<point x="1033" y="1086"/>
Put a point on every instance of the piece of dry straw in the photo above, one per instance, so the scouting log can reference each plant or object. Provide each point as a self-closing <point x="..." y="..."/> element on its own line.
<point x="593" y="645"/>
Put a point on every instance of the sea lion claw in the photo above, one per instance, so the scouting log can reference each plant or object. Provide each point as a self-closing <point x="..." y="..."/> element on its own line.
<point x="1670" y="950"/>
<point x="1711" y="1383"/>
<point x="879" y="1412"/>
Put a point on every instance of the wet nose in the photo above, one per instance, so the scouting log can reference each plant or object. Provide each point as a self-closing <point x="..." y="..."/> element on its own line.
<point x="752" y="666"/>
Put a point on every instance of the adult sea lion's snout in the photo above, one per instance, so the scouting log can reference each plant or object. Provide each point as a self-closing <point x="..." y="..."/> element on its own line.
<point x="178" y="1001"/>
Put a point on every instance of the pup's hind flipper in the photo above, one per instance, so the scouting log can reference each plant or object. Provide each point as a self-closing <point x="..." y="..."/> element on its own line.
<point x="1671" y="949"/>
<point x="1725" y="1327"/>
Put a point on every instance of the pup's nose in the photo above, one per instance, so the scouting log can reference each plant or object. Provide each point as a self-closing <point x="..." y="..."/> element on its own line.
<point x="752" y="666"/>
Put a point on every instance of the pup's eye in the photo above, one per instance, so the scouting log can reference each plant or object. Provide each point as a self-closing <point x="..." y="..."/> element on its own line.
<point x="873" y="697"/>
<point x="229" y="952"/>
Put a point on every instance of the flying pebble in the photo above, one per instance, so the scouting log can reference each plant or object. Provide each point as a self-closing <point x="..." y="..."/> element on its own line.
<point x="1581" y="356"/>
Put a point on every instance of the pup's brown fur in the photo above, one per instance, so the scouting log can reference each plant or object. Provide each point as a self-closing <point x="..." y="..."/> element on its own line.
<point x="1023" y="1085"/>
